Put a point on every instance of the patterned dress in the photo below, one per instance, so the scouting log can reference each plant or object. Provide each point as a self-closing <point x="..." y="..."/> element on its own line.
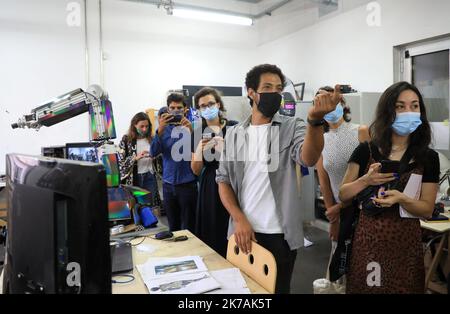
<point x="392" y="242"/>
<point x="339" y="145"/>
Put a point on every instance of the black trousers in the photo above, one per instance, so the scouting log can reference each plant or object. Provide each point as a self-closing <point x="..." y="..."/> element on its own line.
<point x="180" y="203"/>
<point x="284" y="256"/>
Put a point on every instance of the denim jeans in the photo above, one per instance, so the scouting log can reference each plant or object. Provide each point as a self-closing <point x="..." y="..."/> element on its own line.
<point x="180" y="203"/>
<point x="147" y="181"/>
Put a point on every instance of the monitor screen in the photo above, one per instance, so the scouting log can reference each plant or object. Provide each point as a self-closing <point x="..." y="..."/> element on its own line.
<point x="58" y="228"/>
<point x="111" y="163"/>
<point x="119" y="207"/>
<point x="289" y="105"/>
<point x="81" y="152"/>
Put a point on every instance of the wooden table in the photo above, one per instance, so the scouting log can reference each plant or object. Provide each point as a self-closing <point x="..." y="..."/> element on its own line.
<point x="444" y="229"/>
<point x="193" y="246"/>
<point x="2" y="204"/>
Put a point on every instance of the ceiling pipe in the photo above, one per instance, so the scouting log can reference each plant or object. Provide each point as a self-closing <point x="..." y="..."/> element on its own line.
<point x="86" y="45"/>
<point x="219" y="11"/>
<point x="271" y="9"/>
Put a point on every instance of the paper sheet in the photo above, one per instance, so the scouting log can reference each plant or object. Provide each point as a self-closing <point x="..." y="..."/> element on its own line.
<point x="146" y="248"/>
<point x="155" y="268"/>
<point x="186" y="275"/>
<point x="412" y="190"/>
<point x="182" y="284"/>
<point x="231" y="282"/>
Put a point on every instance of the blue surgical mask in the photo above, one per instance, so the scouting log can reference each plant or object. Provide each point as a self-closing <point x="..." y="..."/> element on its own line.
<point x="210" y="113"/>
<point x="406" y="123"/>
<point x="336" y="115"/>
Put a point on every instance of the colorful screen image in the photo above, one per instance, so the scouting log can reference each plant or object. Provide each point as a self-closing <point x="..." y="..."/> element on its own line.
<point x="142" y="196"/>
<point x="102" y="123"/>
<point x="289" y="105"/>
<point x="118" y="204"/>
<point x="175" y="267"/>
<point x="81" y="152"/>
<point x="111" y="163"/>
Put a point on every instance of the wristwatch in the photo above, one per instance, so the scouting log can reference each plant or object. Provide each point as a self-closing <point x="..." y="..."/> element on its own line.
<point x="316" y="122"/>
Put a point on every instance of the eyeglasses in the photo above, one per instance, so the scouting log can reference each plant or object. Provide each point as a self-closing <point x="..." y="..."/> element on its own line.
<point x="207" y="105"/>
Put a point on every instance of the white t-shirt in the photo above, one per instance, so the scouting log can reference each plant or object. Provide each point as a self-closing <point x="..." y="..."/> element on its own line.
<point x="257" y="200"/>
<point x="144" y="164"/>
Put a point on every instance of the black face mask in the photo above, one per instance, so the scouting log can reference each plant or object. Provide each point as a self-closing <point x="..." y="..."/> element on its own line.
<point x="269" y="103"/>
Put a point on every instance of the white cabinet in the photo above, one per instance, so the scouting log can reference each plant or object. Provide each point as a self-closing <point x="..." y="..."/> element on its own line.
<point x="363" y="106"/>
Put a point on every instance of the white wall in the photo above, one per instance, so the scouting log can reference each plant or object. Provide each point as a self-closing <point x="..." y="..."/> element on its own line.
<point x="152" y="53"/>
<point x="344" y="49"/>
<point x="40" y="58"/>
<point x="147" y="53"/>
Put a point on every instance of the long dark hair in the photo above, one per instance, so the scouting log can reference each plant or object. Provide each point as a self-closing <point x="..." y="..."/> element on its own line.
<point x="381" y="128"/>
<point x="216" y="94"/>
<point x="132" y="133"/>
<point x="347" y="111"/>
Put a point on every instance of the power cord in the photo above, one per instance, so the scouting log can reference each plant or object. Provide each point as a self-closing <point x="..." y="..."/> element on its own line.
<point x="118" y="240"/>
<point x="142" y="241"/>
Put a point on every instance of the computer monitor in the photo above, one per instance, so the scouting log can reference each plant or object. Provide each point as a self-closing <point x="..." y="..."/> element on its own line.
<point x="119" y="207"/>
<point x="58" y="235"/>
<point x="81" y="152"/>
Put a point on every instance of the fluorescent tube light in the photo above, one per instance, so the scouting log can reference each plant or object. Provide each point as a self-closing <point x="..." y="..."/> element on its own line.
<point x="213" y="17"/>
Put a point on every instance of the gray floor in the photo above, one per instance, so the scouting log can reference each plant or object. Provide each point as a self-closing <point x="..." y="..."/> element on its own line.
<point x="312" y="262"/>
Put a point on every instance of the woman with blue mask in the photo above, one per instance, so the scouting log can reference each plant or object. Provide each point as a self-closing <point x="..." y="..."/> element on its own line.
<point x="136" y="165"/>
<point x="207" y="142"/>
<point x="388" y="233"/>
<point x="340" y="140"/>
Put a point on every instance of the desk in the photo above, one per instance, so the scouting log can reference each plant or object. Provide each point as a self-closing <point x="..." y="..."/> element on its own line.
<point x="2" y="204"/>
<point x="444" y="229"/>
<point x="193" y="246"/>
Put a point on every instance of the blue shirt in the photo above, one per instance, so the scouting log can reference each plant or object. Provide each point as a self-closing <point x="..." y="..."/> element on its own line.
<point x="176" y="171"/>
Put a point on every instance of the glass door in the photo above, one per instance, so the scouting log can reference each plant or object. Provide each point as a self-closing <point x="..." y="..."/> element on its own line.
<point x="428" y="67"/>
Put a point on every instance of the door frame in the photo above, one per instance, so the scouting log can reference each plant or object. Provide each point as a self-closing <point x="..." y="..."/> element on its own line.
<point x="403" y="63"/>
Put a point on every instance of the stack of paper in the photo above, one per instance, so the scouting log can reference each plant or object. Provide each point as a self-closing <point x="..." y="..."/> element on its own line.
<point x="412" y="189"/>
<point x="231" y="282"/>
<point x="184" y="275"/>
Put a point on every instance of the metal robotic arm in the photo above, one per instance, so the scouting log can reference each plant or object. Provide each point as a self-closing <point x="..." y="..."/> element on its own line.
<point x="94" y="100"/>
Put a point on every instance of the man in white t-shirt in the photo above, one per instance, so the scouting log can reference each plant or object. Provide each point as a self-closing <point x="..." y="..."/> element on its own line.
<point x="257" y="173"/>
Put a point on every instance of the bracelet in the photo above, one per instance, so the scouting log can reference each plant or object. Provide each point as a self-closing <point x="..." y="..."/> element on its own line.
<point x="316" y="122"/>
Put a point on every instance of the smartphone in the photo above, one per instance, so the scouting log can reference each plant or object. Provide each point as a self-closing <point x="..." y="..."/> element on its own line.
<point x="439" y="218"/>
<point x="346" y="89"/>
<point x="208" y="136"/>
<point x="176" y="119"/>
<point x="390" y="166"/>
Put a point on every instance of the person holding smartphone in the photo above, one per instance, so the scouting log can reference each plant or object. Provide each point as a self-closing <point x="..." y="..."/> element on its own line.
<point x="387" y="253"/>
<point x="257" y="173"/>
<point x="136" y="165"/>
<point x="207" y="143"/>
<point x="173" y="141"/>
<point x="341" y="138"/>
